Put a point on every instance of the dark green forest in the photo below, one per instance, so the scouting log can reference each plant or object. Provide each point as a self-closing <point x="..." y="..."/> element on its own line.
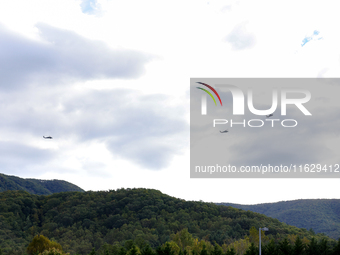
<point x="320" y="215"/>
<point x="82" y="222"/>
<point x="36" y="186"/>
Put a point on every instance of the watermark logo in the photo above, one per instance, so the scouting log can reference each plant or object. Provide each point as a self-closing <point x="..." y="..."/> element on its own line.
<point x="239" y="101"/>
<point x="204" y="98"/>
<point x="286" y="96"/>
<point x="264" y="127"/>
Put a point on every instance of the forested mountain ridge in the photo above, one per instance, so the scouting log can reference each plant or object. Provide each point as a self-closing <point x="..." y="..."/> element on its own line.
<point x="36" y="186"/>
<point x="80" y="221"/>
<point x="320" y="215"/>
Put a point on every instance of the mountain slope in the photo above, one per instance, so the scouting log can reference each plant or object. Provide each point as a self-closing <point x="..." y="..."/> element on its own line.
<point x="36" y="186"/>
<point x="320" y="215"/>
<point x="80" y="221"/>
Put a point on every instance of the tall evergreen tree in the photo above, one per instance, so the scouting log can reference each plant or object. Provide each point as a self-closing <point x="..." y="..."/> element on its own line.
<point x="270" y="248"/>
<point x="324" y="248"/>
<point x="312" y="247"/>
<point x="284" y="248"/>
<point x="298" y="248"/>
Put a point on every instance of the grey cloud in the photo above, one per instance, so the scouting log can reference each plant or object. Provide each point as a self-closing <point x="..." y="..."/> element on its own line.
<point x="303" y="144"/>
<point x="149" y="152"/>
<point x="15" y="156"/>
<point x="276" y="149"/>
<point x="139" y="128"/>
<point x="240" y="38"/>
<point x="136" y="127"/>
<point x="64" y="57"/>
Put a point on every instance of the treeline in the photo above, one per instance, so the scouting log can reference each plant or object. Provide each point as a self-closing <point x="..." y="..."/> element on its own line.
<point x="83" y="221"/>
<point x="183" y="243"/>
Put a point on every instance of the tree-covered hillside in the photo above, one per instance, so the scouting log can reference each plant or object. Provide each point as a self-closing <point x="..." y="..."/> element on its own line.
<point x="320" y="215"/>
<point x="36" y="186"/>
<point x="82" y="221"/>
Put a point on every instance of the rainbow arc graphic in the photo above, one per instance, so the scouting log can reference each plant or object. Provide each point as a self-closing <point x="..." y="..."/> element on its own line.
<point x="207" y="91"/>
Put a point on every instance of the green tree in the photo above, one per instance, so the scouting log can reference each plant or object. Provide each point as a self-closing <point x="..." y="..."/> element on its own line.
<point x="336" y="249"/>
<point x="324" y="248"/>
<point x="284" y="247"/>
<point x="128" y="244"/>
<point x="231" y="251"/>
<point x="240" y="246"/>
<point x="252" y="250"/>
<point x="41" y="243"/>
<point x="254" y="235"/>
<point x="159" y="250"/>
<point x="52" y="251"/>
<point x="299" y="248"/>
<point x="133" y="250"/>
<point x="147" y="250"/>
<point x="167" y="250"/>
<point x="270" y="248"/>
<point x="183" y="239"/>
<point x="122" y="251"/>
<point x="312" y="247"/>
<point x="204" y="250"/>
<point x="93" y="252"/>
<point x="217" y="250"/>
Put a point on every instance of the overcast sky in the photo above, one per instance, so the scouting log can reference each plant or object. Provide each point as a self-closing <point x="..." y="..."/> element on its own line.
<point x="109" y="80"/>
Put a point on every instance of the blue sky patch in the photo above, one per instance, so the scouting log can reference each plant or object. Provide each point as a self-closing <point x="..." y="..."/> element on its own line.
<point x="310" y="38"/>
<point x="89" y="6"/>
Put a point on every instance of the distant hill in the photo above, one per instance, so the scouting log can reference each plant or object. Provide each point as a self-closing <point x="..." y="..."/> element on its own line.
<point x="36" y="186"/>
<point x="81" y="221"/>
<point x="319" y="215"/>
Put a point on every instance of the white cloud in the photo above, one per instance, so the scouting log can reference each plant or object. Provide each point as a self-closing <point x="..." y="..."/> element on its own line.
<point x="76" y="69"/>
<point x="240" y="38"/>
<point x="144" y="129"/>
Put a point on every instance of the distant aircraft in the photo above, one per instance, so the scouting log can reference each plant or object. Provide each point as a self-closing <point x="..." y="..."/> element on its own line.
<point x="225" y="131"/>
<point x="47" y="137"/>
<point x="269" y="115"/>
